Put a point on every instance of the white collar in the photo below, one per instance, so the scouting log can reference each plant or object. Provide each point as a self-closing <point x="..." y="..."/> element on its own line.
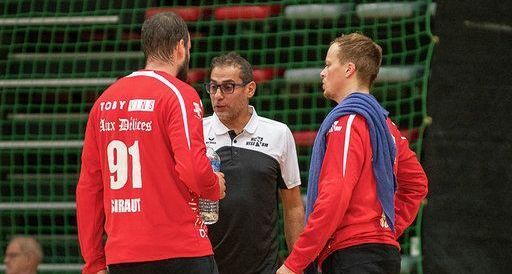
<point x="250" y="127"/>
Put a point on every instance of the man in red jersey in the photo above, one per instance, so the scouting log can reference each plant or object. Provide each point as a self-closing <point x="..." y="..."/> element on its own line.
<point x="144" y="166"/>
<point x="365" y="184"/>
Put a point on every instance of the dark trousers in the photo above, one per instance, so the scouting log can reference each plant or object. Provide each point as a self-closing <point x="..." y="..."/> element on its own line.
<point x="198" y="265"/>
<point x="363" y="259"/>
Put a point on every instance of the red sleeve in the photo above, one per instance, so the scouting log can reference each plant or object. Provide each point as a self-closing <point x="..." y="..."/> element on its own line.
<point x="335" y="186"/>
<point x="89" y="204"/>
<point x="185" y="131"/>
<point x="412" y="185"/>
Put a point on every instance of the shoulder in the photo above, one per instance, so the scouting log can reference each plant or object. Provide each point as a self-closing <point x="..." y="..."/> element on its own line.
<point x="182" y="95"/>
<point x="393" y="128"/>
<point x="163" y="83"/>
<point x="277" y="131"/>
<point x="272" y="126"/>
<point x="182" y="86"/>
<point x="349" y="126"/>
<point x="350" y="121"/>
<point x="401" y="141"/>
<point x="182" y="89"/>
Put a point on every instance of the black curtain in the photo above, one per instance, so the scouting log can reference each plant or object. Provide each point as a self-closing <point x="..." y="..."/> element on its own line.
<point x="468" y="148"/>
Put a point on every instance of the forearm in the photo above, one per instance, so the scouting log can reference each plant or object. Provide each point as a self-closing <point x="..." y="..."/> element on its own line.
<point x="412" y="189"/>
<point x="293" y="214"/>
<point x="293" y="225"/>
<point x="330" y="208"/>
<point x="406" y="209"/>
<point x="89" y="205"/>
<point x="90" y="220"/>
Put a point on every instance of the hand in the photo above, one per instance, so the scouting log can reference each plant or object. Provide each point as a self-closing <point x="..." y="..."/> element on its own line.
<point x="104" y="271"/>
<point x="284" y="270"/>
<point x="222" y="184"/>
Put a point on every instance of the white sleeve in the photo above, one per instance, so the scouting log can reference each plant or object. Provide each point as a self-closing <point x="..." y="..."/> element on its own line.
<point x="289" y="163"/>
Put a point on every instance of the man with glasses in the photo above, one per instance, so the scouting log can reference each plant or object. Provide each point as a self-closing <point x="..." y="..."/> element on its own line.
<point x="23" y="255"/>
<point x="258" y="157"/>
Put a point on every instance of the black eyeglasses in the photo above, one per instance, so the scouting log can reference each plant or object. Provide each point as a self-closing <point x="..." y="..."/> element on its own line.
<point x="226" y="88"/>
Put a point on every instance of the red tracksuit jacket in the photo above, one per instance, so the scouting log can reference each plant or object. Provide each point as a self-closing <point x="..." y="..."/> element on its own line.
<point x="347" y="211"/>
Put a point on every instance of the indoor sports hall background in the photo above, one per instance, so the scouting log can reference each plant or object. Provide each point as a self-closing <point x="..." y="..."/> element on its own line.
<point x="57" y="56"/>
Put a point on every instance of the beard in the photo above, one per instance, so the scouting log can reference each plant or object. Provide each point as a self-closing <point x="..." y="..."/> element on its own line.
<point x="183" y="69"/>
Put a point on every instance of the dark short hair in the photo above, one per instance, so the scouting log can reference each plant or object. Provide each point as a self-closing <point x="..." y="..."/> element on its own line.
<point x="160" y="34"/>
<point x="363" y="52"/>
<point x="235" y="60"/>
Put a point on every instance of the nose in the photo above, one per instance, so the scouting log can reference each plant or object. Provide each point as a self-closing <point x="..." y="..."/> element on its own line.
<point x="218" y="92"/>
<point x="322" y="73"/>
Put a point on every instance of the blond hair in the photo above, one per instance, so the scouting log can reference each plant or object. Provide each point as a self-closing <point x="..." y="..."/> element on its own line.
<point x="363" y="52"/>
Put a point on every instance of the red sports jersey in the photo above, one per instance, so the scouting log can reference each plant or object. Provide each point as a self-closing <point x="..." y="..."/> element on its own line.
<point x="347" y="211"/>
<point x="143" y="168"/>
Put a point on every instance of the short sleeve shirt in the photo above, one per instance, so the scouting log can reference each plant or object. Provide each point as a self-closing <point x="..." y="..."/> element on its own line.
<point x="256" y="163"/>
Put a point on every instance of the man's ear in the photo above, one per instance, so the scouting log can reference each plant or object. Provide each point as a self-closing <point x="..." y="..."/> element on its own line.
<point x="350" y="70"/>
<point x="179" y="50"/>
<point x="251" y="89"/>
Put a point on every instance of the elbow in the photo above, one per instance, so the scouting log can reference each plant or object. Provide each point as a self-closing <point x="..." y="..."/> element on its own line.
<point x="425" y="186"/>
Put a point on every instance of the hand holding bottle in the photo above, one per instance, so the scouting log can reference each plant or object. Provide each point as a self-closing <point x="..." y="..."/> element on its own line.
<point x="222" y="184"/>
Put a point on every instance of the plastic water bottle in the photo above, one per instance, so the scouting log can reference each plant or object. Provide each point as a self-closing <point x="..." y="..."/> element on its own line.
<point x="209" y="210"/>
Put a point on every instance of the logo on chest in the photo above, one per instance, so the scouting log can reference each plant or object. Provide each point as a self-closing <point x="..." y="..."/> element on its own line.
<point x="335" y="127"/>
<point x="257" y="142"/>
<point x="211" y="141"/>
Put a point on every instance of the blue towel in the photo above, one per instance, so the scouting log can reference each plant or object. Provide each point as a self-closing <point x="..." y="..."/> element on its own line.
<point x="383" y="150"/>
